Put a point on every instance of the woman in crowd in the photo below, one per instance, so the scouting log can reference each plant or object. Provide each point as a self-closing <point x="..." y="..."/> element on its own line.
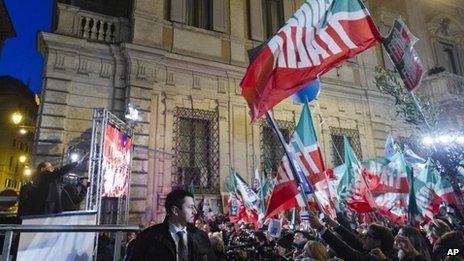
<point x="412" y="245"/>
<point x="314" y="251"/>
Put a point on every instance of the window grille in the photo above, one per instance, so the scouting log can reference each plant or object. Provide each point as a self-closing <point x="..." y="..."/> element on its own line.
<point x="338" y="151"/>
<point x="196" y="146"/>
<point x="200" y="13"/>
<point x="271" y="149"/>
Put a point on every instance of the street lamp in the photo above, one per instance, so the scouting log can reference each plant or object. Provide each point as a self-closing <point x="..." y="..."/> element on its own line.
<point x="22" y="158"/>
<point x="17" y="117"/>
<point x="27" y="171"/>
<point x="22" y="131"/>
<point x="74" y="156"/>
<point x="132" y="113"/>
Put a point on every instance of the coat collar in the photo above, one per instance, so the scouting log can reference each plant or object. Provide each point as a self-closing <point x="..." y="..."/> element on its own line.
<point x="167" y="238"/>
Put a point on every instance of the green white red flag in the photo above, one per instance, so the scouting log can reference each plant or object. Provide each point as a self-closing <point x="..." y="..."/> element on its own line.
<point x="320" y="35"/>
<point x="425" y="196"/>
<point x="352" y="187"/>
<point x="304" y="146"/>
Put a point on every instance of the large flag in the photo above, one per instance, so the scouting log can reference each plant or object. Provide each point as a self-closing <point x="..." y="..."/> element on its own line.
<point x="427" y="200"/>
<point x="393" y="177"/>
<point x="444" y="190"/>
<point x="352" y="188"/>
<point x="304" y="145"/>
<point x="391" y="188"/>
<point x="285" y="194"/>
<point x="292" y="181"/>
<point x="319" y="36"/>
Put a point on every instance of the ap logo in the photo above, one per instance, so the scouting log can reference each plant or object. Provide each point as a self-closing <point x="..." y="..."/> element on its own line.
<point x="452" y="252"/>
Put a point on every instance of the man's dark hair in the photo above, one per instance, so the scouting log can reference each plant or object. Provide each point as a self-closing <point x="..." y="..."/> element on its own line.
<point x="384" y="235"/>
<point x="41" y="165"/>
<point x="176" y="198"/>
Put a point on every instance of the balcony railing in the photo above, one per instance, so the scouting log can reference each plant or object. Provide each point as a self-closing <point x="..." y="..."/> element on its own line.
<point x="444" y="87"/>
<point x="90" y="25"/>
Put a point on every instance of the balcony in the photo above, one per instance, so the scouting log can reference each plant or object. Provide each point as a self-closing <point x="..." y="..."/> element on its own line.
<point x="444" y="88"/>
<point x="116" y="8"/>
<point x="73" y="21"/>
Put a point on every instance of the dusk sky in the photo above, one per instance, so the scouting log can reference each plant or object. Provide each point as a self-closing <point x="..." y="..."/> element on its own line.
<point x="19" y="57"/>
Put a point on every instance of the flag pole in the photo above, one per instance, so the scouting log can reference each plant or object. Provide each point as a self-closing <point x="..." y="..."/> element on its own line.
<point x="325" y="174"/>
<point x="419" y="108"/>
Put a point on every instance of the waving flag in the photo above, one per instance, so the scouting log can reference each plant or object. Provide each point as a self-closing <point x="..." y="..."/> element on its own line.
<point x="393" y="176"/>
<point x="352" y="187"/>
<point x="390" y="147"/>
<point x="320" y="35"/>
<point x="236" y="208"/>
<point x="291" y="179"/>
<point x="250" y="199"/>
<point x="285" y="194"/>
<point x="389" y="185"/>
<point x="444" y="190"/>
<point x="426" y="199"/>
<point x="304" y="145"/>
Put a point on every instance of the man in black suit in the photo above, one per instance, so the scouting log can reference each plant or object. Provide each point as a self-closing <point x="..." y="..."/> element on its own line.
<point x="175" y="239"/>
<point x="48" y="185"/>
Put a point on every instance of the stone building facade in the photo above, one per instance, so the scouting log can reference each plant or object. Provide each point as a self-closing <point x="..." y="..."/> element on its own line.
<point x="180" y="63"/>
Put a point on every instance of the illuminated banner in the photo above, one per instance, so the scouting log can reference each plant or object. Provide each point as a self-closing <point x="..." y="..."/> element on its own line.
<point x="116" y="163"/>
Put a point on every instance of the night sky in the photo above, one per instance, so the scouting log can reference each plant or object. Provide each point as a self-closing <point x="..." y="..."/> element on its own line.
<point x="19" y="57"/>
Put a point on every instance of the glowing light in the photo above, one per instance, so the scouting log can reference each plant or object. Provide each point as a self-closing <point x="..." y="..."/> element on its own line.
<point x="132" y="113"/>
<point x="27" y="171"/>
<point x="22" y="131"/>
<point x="460" y="139"/>
<point x="74" y="157"/>
<point x="445" y="139"/>
<point x="17" y="118"/>
<point x="22" y="158"/>
<point x="427" y="140"/>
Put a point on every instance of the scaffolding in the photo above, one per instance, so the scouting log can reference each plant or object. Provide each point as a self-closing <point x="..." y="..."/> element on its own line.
<point x="109" y="210"/>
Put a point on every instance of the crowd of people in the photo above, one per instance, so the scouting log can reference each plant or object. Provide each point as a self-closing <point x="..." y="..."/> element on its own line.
<point x="319" y="238"/>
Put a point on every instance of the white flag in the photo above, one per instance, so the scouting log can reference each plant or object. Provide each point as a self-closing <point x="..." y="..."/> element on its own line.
<point x="250" y="198"/>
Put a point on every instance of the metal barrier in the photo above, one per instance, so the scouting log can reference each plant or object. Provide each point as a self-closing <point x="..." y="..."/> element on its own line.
<point x="10" y="229"/>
